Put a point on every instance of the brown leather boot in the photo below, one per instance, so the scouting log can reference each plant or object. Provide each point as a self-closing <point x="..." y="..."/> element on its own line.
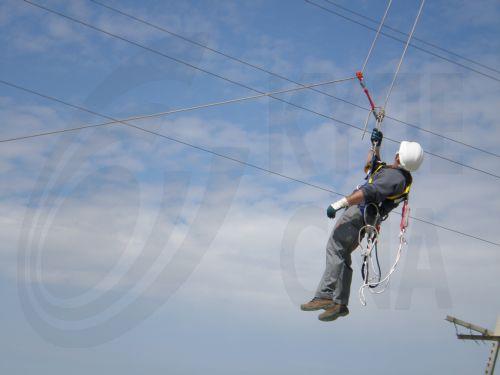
<point x="333" y="312"/>
<point x="316" y="304"/>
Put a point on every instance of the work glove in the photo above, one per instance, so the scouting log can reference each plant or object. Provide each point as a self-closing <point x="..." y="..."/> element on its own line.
<point x="376" y="137"/>
<point x="330" y="212"/>
<point x="332" y="209"/>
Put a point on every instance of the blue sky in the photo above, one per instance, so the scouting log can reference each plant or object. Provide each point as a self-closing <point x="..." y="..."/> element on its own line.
<point x="126" y="252"/>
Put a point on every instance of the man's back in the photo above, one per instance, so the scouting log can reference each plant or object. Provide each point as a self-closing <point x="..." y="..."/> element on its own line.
<point x="386" y="182"/>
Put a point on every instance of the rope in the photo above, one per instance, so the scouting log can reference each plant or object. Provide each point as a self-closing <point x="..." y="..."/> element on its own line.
<point x="376" y="35"/>
<point x="386" y="280"/>
<point x="381" y="284"/>
<point x="160" y="114"/>
<point x="372" y="240"/>
<point x="404" y="52"/>
<point x="360" y="77"/>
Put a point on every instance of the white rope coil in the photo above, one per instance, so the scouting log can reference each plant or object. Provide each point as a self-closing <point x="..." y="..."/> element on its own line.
<point x="372" y="239"/>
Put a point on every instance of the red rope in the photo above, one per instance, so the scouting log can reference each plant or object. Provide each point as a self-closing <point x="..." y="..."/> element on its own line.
<point x="405" y="214"/>
<point x="365" y="89"/>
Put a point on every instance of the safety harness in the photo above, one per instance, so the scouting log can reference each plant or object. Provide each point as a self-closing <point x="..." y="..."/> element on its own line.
<point x="391" y="201"/>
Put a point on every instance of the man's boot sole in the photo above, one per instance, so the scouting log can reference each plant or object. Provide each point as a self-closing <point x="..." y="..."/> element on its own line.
<point x="317" y="308"/>
<point x="333" y="317"/>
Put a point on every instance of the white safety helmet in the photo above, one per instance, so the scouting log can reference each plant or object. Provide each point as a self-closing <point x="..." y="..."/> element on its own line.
<point x="411" y="155"/>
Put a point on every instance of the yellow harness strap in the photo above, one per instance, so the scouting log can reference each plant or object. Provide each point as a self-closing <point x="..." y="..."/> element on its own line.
<point x="370" y="180"/>
<point x="397" y="196"/>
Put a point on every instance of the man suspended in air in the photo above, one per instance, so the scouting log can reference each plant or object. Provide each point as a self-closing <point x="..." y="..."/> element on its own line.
<point x="385" y="188"/>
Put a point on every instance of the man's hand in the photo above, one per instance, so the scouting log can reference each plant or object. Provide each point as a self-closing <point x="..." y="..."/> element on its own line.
<point x="376" y="137"/>
<point x="330" y="212"/>
<point x="334" y="207"/>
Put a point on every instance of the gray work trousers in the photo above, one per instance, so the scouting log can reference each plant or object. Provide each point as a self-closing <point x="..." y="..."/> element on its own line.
<point x="336" y="281"/>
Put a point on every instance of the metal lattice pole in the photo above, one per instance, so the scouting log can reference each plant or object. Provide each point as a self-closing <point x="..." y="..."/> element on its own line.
<point x="490" y="367"/>
<point x="485" y="335"/>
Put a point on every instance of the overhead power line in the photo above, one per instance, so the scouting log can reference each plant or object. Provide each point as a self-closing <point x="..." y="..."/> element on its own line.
<point x="403" y="41"/>
<point x="113" y="120"/>
<point x="154" y="115"/>
<point x="238" y="83"/>
<point x="433" y="45"/>
<point x="280" y="76"/>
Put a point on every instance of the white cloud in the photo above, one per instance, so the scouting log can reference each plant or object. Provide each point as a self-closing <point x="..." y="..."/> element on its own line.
<point x="93" y="237"/>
